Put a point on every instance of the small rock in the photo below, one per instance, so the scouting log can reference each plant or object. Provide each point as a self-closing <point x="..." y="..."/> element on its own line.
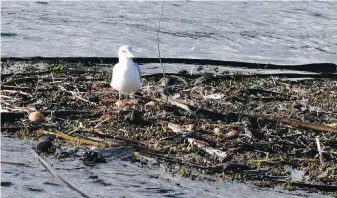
<point x="217" y="131"/>
<point x="45" y="144"/>
<point x="150" y="105"/>
<point x="90" y="158"/>
<point x="36" y="117"/>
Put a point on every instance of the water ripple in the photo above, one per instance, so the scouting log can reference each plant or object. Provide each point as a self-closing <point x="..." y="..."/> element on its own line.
<point x="268" y="32"/>
<point x="117" y="178"/>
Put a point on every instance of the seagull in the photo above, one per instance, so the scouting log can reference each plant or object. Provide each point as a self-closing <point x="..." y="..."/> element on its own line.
<point x="126" y="74"/>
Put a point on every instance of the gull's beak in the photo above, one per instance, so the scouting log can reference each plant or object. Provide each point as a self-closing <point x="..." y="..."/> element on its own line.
<point x="129" y="55"/>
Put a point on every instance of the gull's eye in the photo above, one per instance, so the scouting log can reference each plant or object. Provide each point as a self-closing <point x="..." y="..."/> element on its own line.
<point x="124" y="51"/>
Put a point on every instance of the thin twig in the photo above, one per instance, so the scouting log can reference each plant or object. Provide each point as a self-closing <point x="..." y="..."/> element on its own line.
<point x="320" y="152"/>
<point x="163" y="69"/>
<point x="72" y="139"/>
<point x="3" y="102"/>
<point x="100" y="123"/>
<point x="174" y="102"/>
<point x="53" y="172"/>
<point x="76" y="95"/>
<point x="17" y="92"/>
<point x="37" y="86"/>
<point x="296" y="123"/>
<point x="13" y="109"/>
<point x="13" y="163"/>
<point x="203" y="145"/>
<point x="13" y="88"/>
<point x="8" y="97"/>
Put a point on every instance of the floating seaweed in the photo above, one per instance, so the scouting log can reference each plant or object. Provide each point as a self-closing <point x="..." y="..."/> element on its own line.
<point x="234" y="127"/>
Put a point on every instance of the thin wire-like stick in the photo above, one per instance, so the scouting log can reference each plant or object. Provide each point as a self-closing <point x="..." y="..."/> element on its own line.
<point x="53" y="172"/>
<point x="75" y="94"/>
<point x="163" y="69"/>
<point x="161" y="15"/>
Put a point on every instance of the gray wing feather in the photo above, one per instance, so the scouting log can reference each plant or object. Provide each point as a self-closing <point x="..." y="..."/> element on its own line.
<point x="138" y="68"/>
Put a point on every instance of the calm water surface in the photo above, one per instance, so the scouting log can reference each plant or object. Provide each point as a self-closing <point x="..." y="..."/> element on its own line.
<point x="268" y="32"/>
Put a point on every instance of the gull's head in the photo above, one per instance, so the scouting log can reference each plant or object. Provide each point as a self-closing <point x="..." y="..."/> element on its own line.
<point x="125" y="52"/>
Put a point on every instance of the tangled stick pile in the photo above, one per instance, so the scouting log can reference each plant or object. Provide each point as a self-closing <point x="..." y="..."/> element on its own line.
<point x="246" y="128"/>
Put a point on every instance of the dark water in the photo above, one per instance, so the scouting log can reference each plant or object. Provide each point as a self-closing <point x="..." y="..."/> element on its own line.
<point x="117" y="178"/>
<point x="275" y="32"/>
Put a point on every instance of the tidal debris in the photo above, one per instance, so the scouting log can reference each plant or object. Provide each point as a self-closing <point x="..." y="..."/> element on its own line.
<point x="239" y="127"/>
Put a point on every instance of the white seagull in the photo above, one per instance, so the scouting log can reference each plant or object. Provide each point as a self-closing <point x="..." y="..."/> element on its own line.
<point x="126" y="74"/>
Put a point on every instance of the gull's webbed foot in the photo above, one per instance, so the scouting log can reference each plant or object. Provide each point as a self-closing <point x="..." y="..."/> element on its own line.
<point x="120" y="104"/>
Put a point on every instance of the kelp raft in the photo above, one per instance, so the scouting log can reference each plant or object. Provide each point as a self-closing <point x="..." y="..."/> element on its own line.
<point x="270" y="130"/>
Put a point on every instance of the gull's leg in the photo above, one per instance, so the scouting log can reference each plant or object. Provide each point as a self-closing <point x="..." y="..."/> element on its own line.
<point x="134" y="99"/>
<point x="119" y="103"/>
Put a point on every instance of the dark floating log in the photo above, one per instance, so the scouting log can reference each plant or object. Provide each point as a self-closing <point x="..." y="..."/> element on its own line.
<point x="314" y="67"/>
<point x="160" y="75"/>
<point x="223" y="77"/>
